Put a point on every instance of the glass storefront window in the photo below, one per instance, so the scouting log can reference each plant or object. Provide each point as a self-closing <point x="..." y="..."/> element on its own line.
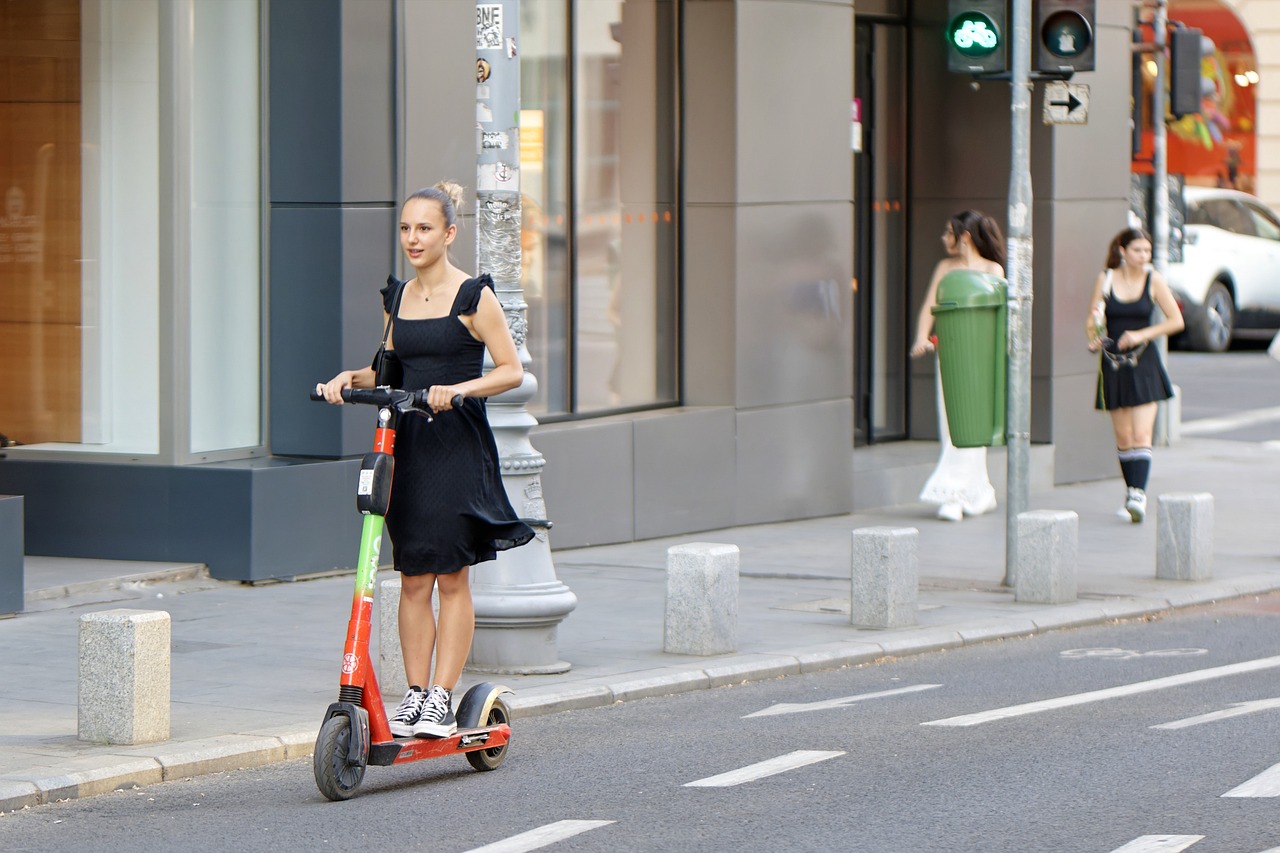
<point x="625" y="110"/>
<point x="85" y="111"/>
<point x="225" y="258"/>
<point x="599" y="252"/>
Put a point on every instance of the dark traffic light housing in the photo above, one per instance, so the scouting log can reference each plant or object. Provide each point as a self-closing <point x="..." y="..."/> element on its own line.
<point x="1064" y="36"/>
<point x="1185" y="55"/>
<point x="976" y="36"/>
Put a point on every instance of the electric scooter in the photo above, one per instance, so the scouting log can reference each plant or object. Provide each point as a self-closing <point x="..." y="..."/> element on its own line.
<point x="355" y="732"/>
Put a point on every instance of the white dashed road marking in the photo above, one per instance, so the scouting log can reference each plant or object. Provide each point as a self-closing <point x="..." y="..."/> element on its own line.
<point x="1159" y="844"/>
<point x="1265" y="784"/>
<point x="825" y="704"/>
<point x="773" y="766"/>
<point x="543" y="836"/>
<point x="1193" y="677"/>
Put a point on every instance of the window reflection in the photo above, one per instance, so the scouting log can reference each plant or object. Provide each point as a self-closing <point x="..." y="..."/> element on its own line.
<point x="625" y="192"/>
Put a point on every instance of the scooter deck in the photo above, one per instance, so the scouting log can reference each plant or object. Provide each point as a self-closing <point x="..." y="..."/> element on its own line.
<point x="402" y="750"/>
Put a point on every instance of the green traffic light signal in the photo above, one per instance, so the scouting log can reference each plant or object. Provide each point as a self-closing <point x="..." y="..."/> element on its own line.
<point x="975" y="35"/>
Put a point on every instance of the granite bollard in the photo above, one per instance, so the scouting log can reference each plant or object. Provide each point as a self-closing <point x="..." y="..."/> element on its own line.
<point x="884" y="577"/>
<point x="391" y="678"/>
<point x="1048" y="543"/>
<point x="124" y="676"/>
<point x="701" y="615"/>
<point x="1184" y="536"/>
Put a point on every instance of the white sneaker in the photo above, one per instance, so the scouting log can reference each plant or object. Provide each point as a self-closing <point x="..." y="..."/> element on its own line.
<point x="402" y="720"/>
<point x="1136" y="505"/>
<point x="437" y="718"/>
<point x="951" y="511"/>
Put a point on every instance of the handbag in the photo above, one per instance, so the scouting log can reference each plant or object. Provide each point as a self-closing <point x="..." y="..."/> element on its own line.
<point x="387" y="369"/>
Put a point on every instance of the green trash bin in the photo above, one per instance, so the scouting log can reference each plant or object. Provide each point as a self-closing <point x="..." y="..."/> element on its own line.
<point x="970" y="320"/>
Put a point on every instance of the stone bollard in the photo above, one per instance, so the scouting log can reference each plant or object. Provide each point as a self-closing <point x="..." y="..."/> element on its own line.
<point x="1045" y="572"/>
<point x="124" y="676"/>
<point x="391" y="680"/>
<point x="701" y="615"/>
<point x="1184" y="536"/>
<point x="11" y="554"/>
<point x="884" y="577"/>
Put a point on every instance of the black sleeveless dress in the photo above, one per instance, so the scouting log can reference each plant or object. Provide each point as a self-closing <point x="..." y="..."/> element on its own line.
<point x="448" y="506"/>
<point x="1122" y="383"/>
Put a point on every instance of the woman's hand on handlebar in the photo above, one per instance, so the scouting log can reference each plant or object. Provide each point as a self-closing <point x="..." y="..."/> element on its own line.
<point x="332" y="390"/>
<point x="442" y="398"/>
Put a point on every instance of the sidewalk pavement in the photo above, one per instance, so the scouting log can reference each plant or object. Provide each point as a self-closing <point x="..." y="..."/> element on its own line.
<point x="254" y="667"/>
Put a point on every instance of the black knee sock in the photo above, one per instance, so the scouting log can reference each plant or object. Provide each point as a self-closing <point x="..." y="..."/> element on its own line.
<point x="1135" y="464"/>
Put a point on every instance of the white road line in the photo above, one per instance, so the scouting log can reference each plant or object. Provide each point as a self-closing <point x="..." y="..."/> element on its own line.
<point x="1239" y="420"/>
<point x="772" y="767"/>
<point x="1238" y="709"/>
<point x="844" y="702"/>
<point x="542" y="836"/>
<point x="1159" y="844"/>
<point x="1109" y="693"/>
<point x="1265" y="784"/>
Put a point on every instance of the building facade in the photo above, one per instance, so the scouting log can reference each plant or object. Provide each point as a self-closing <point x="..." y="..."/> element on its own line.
<point x="731" y="211"/>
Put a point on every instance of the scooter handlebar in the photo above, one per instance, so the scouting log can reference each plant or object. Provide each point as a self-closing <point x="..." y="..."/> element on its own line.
<point x="385" y="397"/>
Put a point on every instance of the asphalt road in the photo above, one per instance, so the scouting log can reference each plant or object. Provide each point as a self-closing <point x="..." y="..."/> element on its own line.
<point x="1233" y="395"/>
<point x="918" y="763"/>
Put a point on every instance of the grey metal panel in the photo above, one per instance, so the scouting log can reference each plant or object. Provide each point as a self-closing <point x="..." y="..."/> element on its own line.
<point x="786" y="104"/>
<point x="709" y="316"/>
<point x="793" y="462"/>
<point x="304" y="79"/>
<point x="1085" y="447"/>
<point x="685" y="472"/>
<point x="305" y="328"/>
<point x="588" y="481"/>
<point x="248" y="520"/>
<point x="368" y="239"/>
<point x="11" y="554"/>
<point x="710" y="106"/>
<point x="794" y="338"/>
<point x="368" y="100"/>
<point x="438" y="106"/>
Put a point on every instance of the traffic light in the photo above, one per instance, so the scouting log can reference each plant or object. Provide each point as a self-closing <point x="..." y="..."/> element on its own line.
<point x="1064" y="35"/>
<point x="1185" y="56"/>
<point x="976" y="36"/>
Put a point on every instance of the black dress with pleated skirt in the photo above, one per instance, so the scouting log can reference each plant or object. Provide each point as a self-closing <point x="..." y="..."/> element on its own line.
<point x="1123" y="379"/>
<point x="448" y="506"/>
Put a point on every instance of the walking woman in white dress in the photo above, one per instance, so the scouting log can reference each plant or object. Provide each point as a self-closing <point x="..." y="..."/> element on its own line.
<point x="959" y="485"/>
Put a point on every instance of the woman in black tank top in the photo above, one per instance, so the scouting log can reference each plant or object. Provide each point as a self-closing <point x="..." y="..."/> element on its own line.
<point x="1131" y="376"/>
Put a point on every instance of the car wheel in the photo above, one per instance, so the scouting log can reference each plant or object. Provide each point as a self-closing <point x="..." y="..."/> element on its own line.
<point x="1213" y="332"/>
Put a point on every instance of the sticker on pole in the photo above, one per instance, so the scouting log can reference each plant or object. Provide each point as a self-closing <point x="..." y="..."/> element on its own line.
<point x="1066" y="103"/>
<point x="489" y="26"/>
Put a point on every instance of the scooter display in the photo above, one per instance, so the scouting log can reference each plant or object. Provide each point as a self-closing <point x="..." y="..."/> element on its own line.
<point x="355" y="732"/>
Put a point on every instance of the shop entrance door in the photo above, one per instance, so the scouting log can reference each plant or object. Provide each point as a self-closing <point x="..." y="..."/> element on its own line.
<point x="881" y="309"/>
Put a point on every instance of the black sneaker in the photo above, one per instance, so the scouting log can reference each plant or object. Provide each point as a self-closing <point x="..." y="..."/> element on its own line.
<point x="407" y="714"/>
<point x="437" y="718"/>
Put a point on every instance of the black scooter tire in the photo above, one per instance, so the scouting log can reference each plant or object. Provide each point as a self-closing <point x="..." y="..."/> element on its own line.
<point x="336" y="777"/>
<point x="490" y="759"/>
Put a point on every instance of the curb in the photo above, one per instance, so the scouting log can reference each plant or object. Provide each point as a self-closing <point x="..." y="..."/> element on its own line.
<point x="233" y="752"/>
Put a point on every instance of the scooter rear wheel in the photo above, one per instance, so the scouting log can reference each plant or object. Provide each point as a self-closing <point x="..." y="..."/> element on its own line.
<point x="336" y="777"/>
<point x="489" y="759"/>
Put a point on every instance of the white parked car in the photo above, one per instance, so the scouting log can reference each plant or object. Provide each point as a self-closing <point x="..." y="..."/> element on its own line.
<point x="1228" y="283"/>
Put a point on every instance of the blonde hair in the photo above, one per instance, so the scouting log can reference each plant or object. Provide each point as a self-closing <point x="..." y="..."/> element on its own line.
<point x="448" y="194"/>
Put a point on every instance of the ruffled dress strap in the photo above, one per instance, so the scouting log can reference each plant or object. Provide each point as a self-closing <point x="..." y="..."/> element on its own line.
<point x="469" y="294"/>
<point x="389" y="293"/>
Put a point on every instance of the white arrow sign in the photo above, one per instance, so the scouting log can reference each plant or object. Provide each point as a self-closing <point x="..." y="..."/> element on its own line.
<point x="1238" y="709"/>
<point x="789" y="708"/>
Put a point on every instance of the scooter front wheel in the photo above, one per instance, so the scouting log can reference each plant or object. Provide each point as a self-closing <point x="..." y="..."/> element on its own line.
<point x="489" y="759"/>
<point x="336" y="777"/>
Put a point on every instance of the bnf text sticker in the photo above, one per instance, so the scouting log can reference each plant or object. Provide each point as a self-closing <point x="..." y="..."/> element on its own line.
<point x="489" y="26"/>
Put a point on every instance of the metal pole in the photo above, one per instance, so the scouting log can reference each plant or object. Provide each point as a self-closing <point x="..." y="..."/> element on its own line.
<point x="1160" y="187"/>
<point x="519" y="602"/>
<point x="1018" y="425"/>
